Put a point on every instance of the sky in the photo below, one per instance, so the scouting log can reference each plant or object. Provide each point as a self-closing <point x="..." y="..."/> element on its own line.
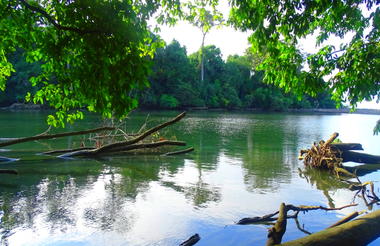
<point x="230" y="41"/>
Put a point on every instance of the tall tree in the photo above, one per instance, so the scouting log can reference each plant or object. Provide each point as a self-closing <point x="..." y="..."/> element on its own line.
<point x="172" y="79"/>
<point x="204" y="15"/>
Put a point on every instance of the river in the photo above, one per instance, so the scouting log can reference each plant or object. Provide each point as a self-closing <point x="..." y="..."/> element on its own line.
<point x="244" y="165"/>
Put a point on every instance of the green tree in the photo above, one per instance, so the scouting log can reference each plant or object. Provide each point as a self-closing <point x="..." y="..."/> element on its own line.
<point x="204" y="18"/>
<point x="97" y="51"/>
<point x="350" y="72"/>
<point x="18" y="83"/>
<point x="173" y="75"/>
<point x="211" y="87"/>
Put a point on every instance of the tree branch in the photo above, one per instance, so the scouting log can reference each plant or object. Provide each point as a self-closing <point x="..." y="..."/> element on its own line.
<point x="54" y="22"/>
<point x="50" y="136"/>
<point x="145" y="134"/>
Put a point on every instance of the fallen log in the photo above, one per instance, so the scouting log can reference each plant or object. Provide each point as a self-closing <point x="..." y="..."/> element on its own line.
<point x="8" y="171"/>
<point x="60" y="151"/>
<point x="346" y="146"/>
<point x="140" y="137"/>
<point x="191" y="241"/>
<point x="263" y="219"/>
<point x="276" y="233"/>
<point x="125" y="148"/>
<point x="130" y="144"/>
<point x="51" y="136"/>
<point x="360" y="231"/>
<point x="346" y="219"/>
<point x="180" y="151"/>
<point x="257" y="219"/>
<point x="360" y="157"/>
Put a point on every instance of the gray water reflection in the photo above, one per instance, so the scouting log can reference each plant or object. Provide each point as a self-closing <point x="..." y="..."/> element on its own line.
<point x="244" y="165"/>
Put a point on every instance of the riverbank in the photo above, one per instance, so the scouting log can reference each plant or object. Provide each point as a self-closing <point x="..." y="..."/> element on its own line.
<point x="309" y="110"/>
<point x="337" y="111"/>
<point x="27" y="107"/>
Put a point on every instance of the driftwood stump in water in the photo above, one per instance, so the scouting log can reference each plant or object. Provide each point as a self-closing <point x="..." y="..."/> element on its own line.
<point x="329" y="155"/>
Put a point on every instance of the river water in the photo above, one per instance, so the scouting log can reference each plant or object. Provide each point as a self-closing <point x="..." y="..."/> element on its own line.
<point x="244" y="165"/>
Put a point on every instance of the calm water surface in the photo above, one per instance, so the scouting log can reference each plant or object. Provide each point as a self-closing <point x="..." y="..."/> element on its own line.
<point x="244" y="164"/>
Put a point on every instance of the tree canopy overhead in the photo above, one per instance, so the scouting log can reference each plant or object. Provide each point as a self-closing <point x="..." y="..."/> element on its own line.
<point x="350" y="71"/>
<point x="93" y="53"/>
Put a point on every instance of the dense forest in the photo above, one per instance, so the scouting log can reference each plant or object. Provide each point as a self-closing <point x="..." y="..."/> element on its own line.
<point x="175" y="83"/>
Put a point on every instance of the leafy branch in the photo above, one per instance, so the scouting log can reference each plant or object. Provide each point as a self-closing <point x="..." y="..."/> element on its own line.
<point x="55" y="23"/>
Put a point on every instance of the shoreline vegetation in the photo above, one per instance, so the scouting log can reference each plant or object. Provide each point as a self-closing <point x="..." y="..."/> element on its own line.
<point x="38" y="107"/>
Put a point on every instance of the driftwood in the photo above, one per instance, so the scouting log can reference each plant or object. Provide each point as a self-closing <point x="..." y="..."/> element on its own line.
<point x="66" y="150"/>
<point x="346" y="146"/>
<point x="323" y="156"/>
<point x="360" y="157"/>
<point x="263" y="219"/>
<point x="191" y="241"/>
<point x="126" y="148"/>
<point x="129" y="145"/>
<point x="8" y="171"/>
<point x="276" y="233"/>
<point x="278" y="230"/>
<point x="128" y="142"/>
<point x="51" y="136"/>
<point x="360" y="231"/>
<point x="346" y="219"/>
<point x="180" y="151"/>
<point x="329" y="155"/>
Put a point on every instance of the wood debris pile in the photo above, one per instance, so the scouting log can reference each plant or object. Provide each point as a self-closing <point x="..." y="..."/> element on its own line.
<point x="322" y="155"/>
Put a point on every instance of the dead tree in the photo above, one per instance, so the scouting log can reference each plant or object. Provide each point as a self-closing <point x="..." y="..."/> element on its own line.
<point x="132" y="144"/>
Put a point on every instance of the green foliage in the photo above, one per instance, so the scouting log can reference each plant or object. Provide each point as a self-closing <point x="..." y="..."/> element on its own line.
<point x="228" y="84"/>
<point x="96" y="55"/>
<point x="203" y="14"/>
<point x="172" y="74"/>
<point x="350" y="72"/>
<point x="17" y="85"/>
<point x="168" y="101"/>
<point x="93" y="53"/>
<point x="174" y="84"/>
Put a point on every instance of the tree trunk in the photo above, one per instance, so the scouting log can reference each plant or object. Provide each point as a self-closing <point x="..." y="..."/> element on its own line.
<point x="202" y="57"/>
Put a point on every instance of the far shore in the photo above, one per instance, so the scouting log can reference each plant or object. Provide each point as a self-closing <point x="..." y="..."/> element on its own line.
<point x="37" y="107"/>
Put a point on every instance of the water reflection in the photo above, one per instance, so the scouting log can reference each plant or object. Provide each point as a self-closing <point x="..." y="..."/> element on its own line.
<point x="244" y="165"/>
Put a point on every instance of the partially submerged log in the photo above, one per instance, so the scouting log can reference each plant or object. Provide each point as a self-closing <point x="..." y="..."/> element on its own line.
<point x="192" y="240"/>
<point x="179" y="152"/>
<point x="131" y="144"/>
<point x="347" y="146"/>
<point x="8" y="171"/>
<point x="124" y="148"/>
<point x="360" y="231"/>
<point x="51" y="136"/>
<point x="62" y="151"/>
<point x="276" y="233"/>
<point x="349" y="217"/>
<point x="329" y="155"/>
<point x="321" y="155"/>
<point x="360" y="157"/>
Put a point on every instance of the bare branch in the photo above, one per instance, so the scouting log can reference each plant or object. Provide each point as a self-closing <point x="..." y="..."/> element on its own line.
<point x="50" y="136"/>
